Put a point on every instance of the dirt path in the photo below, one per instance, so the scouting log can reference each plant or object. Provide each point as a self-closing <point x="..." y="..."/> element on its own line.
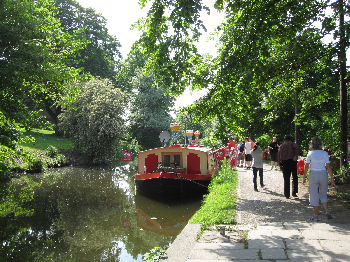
<point x="270" y="205"/>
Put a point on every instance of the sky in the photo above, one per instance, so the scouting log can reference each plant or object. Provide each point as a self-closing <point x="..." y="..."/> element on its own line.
<point x="121" y="14"/>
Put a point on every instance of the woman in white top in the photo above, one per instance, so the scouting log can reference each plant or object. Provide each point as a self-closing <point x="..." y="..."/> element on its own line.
<point x="317" y="161"/>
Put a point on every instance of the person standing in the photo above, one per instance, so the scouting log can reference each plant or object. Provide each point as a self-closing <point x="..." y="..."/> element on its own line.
<point x="227" y="156"/>
<point x="233" y="157"/>
<point x="257" y="166"/>
<point x="317" y="161"/>
<point x="273" y="150"/>
<point x="287" y="157"/>
<point x="247" y="152"/>
<point x="241" y="153"/>
<point x="252" y="143"/>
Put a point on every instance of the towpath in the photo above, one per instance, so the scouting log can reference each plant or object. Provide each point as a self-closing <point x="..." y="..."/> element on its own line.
<point x="269" y="227"/>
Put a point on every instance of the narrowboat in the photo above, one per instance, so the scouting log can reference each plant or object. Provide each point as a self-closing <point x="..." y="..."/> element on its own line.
<point x="175" y="170"/>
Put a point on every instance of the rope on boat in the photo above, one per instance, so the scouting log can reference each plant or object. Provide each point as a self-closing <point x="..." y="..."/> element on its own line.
<point x="189" y="180"/>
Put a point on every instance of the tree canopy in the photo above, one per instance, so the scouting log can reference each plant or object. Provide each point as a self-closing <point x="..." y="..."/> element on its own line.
<point x="101" y="56"/>
<point x="274" y="72"/>
<point x="33" y="55"/>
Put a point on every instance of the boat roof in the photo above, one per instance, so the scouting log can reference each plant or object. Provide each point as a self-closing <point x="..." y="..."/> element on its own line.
<point x="179" y="147"/>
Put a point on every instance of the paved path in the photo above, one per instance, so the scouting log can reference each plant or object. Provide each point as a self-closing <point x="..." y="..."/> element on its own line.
<point x="269" y="227"/>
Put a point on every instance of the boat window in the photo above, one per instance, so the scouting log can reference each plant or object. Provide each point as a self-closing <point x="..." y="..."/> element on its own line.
<point x="172" y="159"/>
<point x="166" y="160"/>
<point x="176" y="160"/>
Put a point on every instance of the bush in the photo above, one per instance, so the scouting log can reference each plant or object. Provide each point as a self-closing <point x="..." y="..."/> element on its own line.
<point x="96" y="121"/>
<point x="52" y="151"/>
<point x="342" y="175"/>
<point x="9" y="134"/>
<point x="34" y="164"/>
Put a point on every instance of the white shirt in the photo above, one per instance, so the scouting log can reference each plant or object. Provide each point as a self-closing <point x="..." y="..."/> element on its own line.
<point x="317" y="159"/>
<point x="248" y="148"/>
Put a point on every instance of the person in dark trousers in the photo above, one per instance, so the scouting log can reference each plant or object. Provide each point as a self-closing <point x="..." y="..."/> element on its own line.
<point x="273" y="150"/>
<point x="257" y="165"/>
<point x="287" y="157"/>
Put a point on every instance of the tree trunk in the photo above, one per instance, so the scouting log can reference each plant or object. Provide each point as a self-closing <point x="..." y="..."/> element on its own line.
<point x="342" y="83"/>
<point x="296" y="111"/>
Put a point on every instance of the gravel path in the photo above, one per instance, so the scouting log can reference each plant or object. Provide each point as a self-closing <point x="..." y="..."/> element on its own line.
<point x="270" y="205"/>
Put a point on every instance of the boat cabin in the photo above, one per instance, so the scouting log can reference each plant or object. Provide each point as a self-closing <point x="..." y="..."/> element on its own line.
<point x="189" y="160"/>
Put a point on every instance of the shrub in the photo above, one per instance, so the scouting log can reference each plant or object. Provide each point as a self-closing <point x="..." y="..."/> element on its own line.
<point x="95" y="121"/>
<point x="52" y="151"/>
<point x="342" y="175"/>
<point x="34" y="164"/>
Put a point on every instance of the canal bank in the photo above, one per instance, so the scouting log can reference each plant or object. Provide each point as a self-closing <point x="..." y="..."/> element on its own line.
<point x="269" y="227"/>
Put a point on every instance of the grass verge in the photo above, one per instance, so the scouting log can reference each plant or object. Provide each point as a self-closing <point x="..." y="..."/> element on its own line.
<point x="45" y="139"/>
<point x="219" y="205"/>
<point x="46" y="151"/>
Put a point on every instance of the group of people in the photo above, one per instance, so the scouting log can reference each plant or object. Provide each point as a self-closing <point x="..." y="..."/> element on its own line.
<point x="285" y="156"/>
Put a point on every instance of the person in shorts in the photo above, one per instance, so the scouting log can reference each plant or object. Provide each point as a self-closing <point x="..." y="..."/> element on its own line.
<point x="240" y="154"/>
<point x="247" y="152"/>
<point x="317" y="161"/>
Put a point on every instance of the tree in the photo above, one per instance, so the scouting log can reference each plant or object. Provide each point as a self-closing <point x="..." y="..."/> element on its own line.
<point x="33" y="52"/>
<point x="101" y="56"/>
<point x="170" y="32"/>
<point x="96" y="120"/>
<point x="268" y="50"/>
<point x="149" y="111"/>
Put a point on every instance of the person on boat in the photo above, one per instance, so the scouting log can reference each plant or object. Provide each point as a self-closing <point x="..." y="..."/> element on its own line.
<point x="257" y="155"/>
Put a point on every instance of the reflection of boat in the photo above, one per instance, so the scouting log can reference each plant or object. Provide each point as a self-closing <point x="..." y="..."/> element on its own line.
<point x="175" y="170"/>
<point x="162" y="218"/>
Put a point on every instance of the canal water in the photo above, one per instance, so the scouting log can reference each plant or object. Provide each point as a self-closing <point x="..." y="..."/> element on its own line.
<point x="85" y="214"/>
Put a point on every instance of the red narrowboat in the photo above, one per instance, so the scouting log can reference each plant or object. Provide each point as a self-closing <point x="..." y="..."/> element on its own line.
<point x="175" y="170"/>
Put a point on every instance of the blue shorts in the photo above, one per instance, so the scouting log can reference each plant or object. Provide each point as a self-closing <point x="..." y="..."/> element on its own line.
<point x="318" y="187"/>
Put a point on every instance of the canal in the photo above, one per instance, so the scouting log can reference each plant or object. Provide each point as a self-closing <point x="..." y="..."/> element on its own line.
<point x="82" y="214"/>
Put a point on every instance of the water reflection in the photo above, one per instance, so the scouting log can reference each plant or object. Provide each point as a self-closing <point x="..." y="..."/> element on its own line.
<point x="91" y="215"/>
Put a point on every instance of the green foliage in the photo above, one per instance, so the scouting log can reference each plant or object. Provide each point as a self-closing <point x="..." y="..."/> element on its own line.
<point x="15" y="196"/>
<point x="264" y="141"/>
<point x="219" y="206"/>
<point x="52" y="151"/>
<point x="156" y="254"/>
<point x="9" y="133"/>
<point x="45" y="139"/>
<point x="342" y="175"/>
<point x="273" y="72"/>
<point x="169" y="35"/>
<point x="128" y="143"/>
<point x="33" y="59"/>
<point x="101" y="54"/>
<point x="6" y="162"/>
<point x="34" y="164"/>
<point x="96" y="122"/>
<point x="149" y="112"/>
<point x="209" y="137"/>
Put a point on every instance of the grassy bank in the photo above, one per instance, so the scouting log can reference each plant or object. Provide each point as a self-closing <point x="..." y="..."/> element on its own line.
<point x="44" y="151"/>
<point x="219" y="205"/>
<point x="46" y="139"/>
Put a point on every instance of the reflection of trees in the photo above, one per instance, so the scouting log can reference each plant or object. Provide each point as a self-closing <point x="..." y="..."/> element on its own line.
<point x="80" y="215"/>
